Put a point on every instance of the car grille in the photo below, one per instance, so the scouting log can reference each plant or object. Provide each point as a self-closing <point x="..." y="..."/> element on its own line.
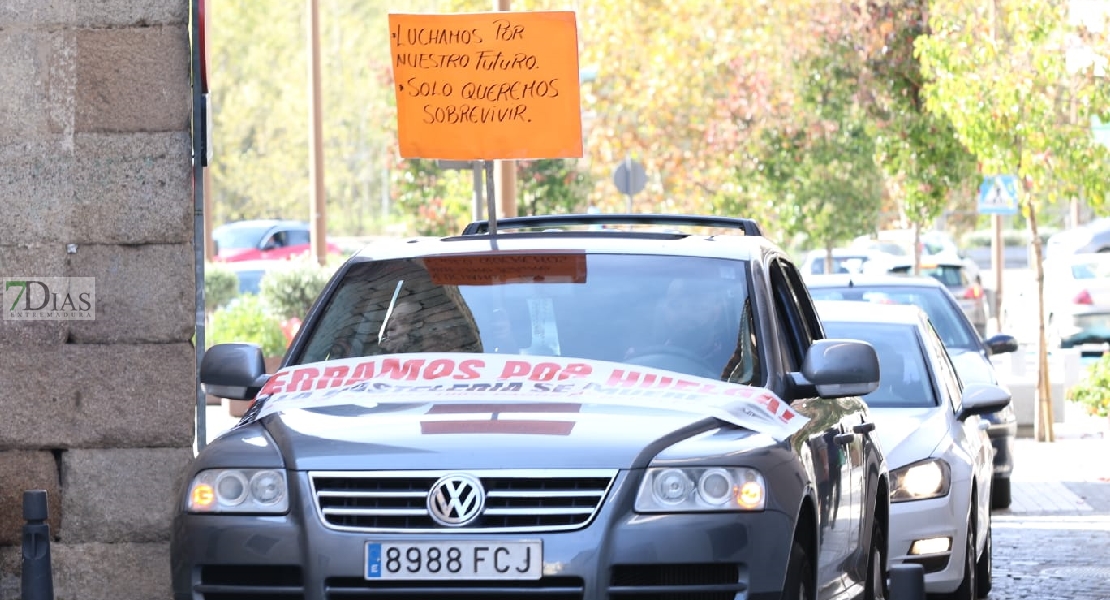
<point x="516" y="501"/>
<point x="676" y="582"/>
<point x="547" y="588"/>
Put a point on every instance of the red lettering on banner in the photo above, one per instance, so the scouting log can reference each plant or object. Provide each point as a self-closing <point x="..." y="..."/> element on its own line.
<point x="363" y="371"/>
<point x="441" y="367"/>
<point x="619" y="377"/>
<point x="685" y="385"/>
<point x="545" y="371"/>
<point x="333" y="376"/>
<point x="302" y="379"/>
<point x="410" y="369"/>
<point x="576" y="370"/>
<point x="275" y="384"/>
<point x="469" y="369"/>
<point x="515" y="368"/>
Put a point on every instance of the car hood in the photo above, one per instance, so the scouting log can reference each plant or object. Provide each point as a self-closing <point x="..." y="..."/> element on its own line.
<point x="393" y="412"/>
<point x="908" y="435"/>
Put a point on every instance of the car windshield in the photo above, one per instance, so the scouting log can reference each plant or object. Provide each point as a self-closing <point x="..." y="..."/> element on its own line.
<point x="238" y="238"/>
<point x="947" y="318"/>
<point x="1094" y="267"/>
<point x="904" y="380"/>
<point x="686" y="314"/>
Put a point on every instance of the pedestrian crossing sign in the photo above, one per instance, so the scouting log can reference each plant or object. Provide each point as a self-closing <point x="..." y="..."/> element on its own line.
<point x="998" y="195"/>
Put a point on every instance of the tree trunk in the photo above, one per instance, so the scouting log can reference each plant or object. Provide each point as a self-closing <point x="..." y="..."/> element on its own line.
<point x="828" y="257"/>
<point x="1043" y="424"/>
<point x="916" y="248"/>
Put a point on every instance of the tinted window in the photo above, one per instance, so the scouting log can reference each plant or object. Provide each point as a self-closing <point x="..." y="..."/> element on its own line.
<point x="946" y="316"/>
<point x="239" y="238"/>
<point x="903" y="376"/>
<point x="296" y="237"/>
<point x="679" y="313"/>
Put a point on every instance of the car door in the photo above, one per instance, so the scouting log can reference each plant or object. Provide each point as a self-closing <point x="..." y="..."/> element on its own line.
<point x="971" y="433"/>
<point x="824" y="443"/>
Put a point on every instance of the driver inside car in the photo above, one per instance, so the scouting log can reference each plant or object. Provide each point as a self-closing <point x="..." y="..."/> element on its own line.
<point x="694" y="327"/>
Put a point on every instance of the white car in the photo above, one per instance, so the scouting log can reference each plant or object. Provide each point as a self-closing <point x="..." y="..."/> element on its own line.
<point x="938" y="452"/>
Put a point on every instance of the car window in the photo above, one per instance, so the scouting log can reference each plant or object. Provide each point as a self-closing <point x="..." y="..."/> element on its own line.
<point x="798" y="329"/>
<point x="685" y="314"/>
<point x="951" y="324"/>
<point x="239" y="238"/>
<point x="840" y="264"/>
<point x="297" y="237"/>
<point x="948" y="378"/>
<point x="904" y="380"/>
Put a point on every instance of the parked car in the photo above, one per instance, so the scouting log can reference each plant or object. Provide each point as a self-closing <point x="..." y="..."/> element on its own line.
<point x="970" y="353"/>
<point x="938" y="452"/>
<point x="953" y="274"/>
<point x="1089" y="238"/>
<point x="1076" y="297"/>
<point x="546" y="413"/>
<point x="844" y="260"/>
<point x="263" y="239"/>
<point x="935" y="246"/>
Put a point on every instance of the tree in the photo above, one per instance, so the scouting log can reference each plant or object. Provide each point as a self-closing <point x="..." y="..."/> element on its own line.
<point x="999" y="72"/>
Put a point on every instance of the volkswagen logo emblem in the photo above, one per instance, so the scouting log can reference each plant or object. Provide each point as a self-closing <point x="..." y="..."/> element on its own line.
<point x="456" y="500"/>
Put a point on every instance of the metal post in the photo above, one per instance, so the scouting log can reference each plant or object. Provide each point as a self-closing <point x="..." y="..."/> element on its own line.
<point x="998" y="263"/>
<point x="36" y="577"/>
<point x="316" y="145"/>
<point x="491" y="202"/>
<point x="200" y="157"/>
<point x="907" y="582"/>
<point x="506" y="176"/>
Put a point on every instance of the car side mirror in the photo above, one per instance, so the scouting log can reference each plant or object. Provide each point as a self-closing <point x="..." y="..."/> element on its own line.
<point x="982" y="398"/>
<point x="233" y="371"/>
<point x="1001" y="343"/>
<point x="839" y="368"/>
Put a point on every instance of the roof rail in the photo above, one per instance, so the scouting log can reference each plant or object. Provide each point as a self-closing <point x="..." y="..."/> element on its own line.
<point x="748" y="226"/>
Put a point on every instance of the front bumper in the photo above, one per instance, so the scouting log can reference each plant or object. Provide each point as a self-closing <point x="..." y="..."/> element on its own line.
<point x="618" y="555"/>
<point x="924" y="519"/>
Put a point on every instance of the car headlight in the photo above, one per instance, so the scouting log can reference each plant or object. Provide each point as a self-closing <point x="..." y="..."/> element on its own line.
<point x="666" y="490"/>
<point x="922" y="480"/>
<point x="239" y="491"/>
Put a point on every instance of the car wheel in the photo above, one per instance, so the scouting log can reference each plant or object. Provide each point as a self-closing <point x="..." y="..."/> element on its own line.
<point x="1000" y="493"/>
<point x="799" y="573"/>
<point x="984" y="568"/>
<point x="968" y="587"/>
<point x="876" y="562"/>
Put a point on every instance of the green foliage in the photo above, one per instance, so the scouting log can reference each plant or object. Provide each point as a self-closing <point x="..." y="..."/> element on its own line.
<point x="220" y="285"/>
<point x="247" y="320"/>
<point x="551" y="186"/>
<point x="1093" y="392"/>
<point x="436" y="201"/>
<point x="290" y="291"/>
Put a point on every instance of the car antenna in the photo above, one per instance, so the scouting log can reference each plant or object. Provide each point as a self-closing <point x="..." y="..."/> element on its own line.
<point x="851" y="282"/>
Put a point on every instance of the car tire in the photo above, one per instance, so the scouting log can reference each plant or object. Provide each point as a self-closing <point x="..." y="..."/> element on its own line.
<point x="799" y="575"/>
<point x="1000" y="493"/>
<point x="876" y="585"/>
<point x="984" y="568"/>
<point x="968" y="589"/>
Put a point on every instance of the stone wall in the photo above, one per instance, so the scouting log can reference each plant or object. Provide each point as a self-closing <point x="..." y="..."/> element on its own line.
<point x="95" y="181"/>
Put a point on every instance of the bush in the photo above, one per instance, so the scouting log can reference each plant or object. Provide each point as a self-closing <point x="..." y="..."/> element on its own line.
<point x="290" y="291"/>
<point x="247" y="320"/>
<point x="220" y="285"/>
<point x="1094" y="391"/>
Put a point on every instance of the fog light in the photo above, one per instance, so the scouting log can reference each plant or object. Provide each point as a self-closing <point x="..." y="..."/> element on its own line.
<point x="931" y="546"/>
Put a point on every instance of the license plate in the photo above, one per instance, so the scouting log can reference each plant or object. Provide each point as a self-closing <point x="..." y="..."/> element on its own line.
<point x="454" y="560"/>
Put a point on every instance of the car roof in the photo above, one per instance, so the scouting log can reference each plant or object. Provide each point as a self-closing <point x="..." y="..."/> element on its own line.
<point x="261" y="223"/>
<point x="673" y="242"/>
<point x="864" y="312"/>
<point x="848" y="280"/>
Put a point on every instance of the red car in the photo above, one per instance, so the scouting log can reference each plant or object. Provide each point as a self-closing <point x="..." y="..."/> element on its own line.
<point x="263" y="239"/>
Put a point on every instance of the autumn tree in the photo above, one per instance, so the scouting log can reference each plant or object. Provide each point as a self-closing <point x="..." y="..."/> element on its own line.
<point x="999" y="72"/>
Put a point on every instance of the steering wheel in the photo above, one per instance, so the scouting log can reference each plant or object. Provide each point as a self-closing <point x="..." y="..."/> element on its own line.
<point x="671" y="358"/>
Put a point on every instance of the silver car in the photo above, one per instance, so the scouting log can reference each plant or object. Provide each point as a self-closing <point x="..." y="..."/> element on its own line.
<point x="547" y="413"/>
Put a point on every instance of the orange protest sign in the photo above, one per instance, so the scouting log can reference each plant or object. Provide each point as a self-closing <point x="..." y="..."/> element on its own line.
<point x="487" y="86"/>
